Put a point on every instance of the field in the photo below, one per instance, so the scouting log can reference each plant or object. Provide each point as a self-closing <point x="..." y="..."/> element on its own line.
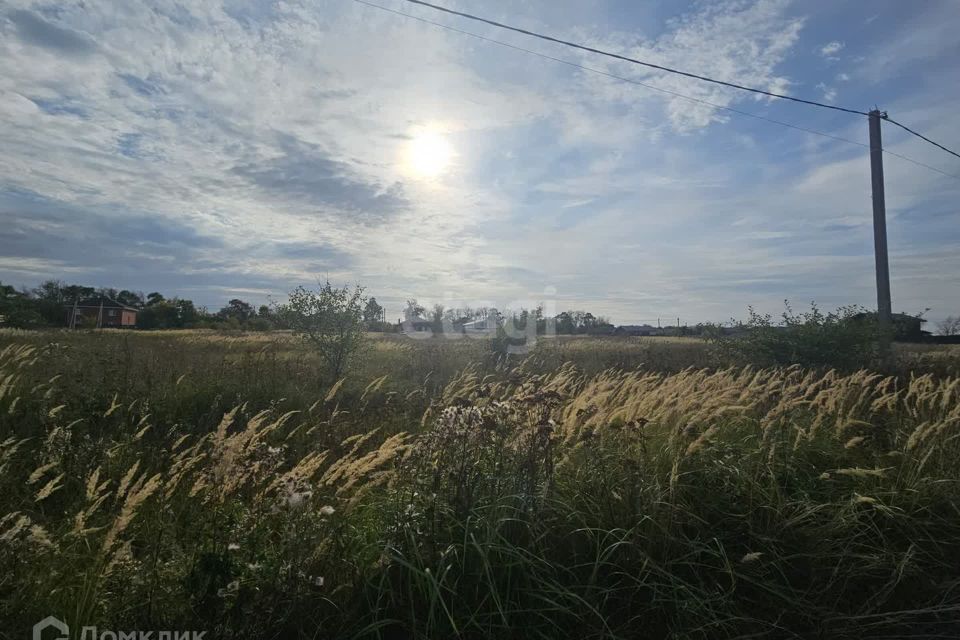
<point x="595" y="488"/>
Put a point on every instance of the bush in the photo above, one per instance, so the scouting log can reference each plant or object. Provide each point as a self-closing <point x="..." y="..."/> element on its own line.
<point x="330" y="320"/>
<point x="845" y="339"/>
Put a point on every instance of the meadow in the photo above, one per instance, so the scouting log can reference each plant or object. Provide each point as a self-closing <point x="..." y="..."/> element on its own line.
<point x="593" y="488"/>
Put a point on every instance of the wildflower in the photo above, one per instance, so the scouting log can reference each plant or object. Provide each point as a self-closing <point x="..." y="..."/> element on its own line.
<point x="296" y="499"/>
<point x="233" y="546"/>
<point x="229" y="590"/>
<point x="327" y="510"/>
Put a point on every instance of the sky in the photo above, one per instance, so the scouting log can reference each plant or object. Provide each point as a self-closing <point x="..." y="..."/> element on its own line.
<point x="214" y="150"/>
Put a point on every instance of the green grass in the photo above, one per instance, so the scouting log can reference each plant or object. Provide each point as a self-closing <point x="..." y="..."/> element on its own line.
<point x="598" y="488"/>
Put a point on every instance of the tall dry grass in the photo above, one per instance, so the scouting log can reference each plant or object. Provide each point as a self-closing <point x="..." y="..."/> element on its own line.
<point x="499" y="500"/>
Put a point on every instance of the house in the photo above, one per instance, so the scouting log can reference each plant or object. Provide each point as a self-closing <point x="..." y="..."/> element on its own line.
<point x="905" y="326"/>
<point x="480" y="326"/>
<point x="638" y="330"/>
<point x="412" y="325"/>
<point x="100" y="312"/>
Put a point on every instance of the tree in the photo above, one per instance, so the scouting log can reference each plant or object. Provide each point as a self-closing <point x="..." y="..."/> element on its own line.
<point x="130" y="298"/>
<point x="565" y="323"/>
<point x="238" y="309"/>
<point x="844" y="339"/>
<point x="159" y="315"/>
<point x="77" y="292"/>
<point x="18" y="309"/>
<point x="437" y="319"/>
<point x="414" y="310"/>
<point x="186" y="312"/>
<point x="329" y="319"/>
<point x="155" y="297"/>
<point x="373" y="312"/>
<point x="949" y="326"/>
<point x="50" y="291"/>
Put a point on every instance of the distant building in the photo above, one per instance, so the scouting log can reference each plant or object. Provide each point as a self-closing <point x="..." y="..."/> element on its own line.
<point x="480" y="326"/>
<point x="100" y="312"/>
<point x="905" y="326"/>
<point x="638" y="330"/>
<point x="414" y="325"/>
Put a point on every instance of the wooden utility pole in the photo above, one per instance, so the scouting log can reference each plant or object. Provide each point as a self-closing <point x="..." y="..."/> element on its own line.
<point x="884" y="308"/>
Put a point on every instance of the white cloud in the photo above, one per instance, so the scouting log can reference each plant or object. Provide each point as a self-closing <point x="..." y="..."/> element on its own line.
<point x="731" y="40"/>
<point x="829" y="93"/>
<point x="831" y="49"/>
<point x="275" y="130"/>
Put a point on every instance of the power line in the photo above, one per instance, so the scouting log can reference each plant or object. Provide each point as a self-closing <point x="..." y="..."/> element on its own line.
<point x="617" y="56"/>
<point x="922" y="137"/>
<point x="650" y="86"/>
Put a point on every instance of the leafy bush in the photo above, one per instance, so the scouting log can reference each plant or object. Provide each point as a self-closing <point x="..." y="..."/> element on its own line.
<point x="330" y="320"/>
<point x="846" y="339"/>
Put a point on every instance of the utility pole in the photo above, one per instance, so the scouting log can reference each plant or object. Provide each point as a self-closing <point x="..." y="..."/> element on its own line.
<point x="884" y="308"/>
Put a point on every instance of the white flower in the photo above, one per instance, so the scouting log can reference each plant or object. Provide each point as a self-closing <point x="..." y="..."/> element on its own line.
<point x="327" y="510"/>
<point x="233" y="546"/>
<point x="296" y="499"/>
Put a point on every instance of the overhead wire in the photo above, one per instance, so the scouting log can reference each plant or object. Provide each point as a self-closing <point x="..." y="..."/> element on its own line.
<point x="921" y="136"/>
<point x="617" y="56"/>
<point x="610" y="54"/>
<point x="654" y="87"/>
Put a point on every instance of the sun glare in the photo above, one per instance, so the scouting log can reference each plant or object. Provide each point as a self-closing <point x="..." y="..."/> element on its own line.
<point x="428" y="154"/>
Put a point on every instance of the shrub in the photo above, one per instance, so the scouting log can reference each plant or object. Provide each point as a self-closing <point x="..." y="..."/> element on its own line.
<point x="329" y="319"/>
<point x="845" y="339"/>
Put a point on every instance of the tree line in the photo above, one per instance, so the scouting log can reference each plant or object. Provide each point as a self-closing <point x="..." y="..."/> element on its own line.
<point x="47" y="305"/>
<point x="570" y="322"/>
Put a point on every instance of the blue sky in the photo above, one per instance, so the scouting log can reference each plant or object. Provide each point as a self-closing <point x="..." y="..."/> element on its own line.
<point x="221" y="149"/>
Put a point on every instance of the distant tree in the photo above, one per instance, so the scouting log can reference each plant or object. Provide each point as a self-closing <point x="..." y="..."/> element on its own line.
<point x="329" y="319"/>
<point x="49" y="291"/>
<point x="264" y="311"/>
<point x="237" y="309"/>
<point x="413" y="310"/>
<point x="372" y="312"/>
<point x="155" y="297"/>
<point x="53" y="296"/>
<point x="844" y="339"/>
<point x="159" y="315"/>
<point x="949" y="326"/>
<point x="18" y="309"/>
<point x="436" y="318"/>
<point x="77" y="292"/>
<point x="187" y="314"/>
<point x="129" y="298"/>
<point x="565" y="323"/>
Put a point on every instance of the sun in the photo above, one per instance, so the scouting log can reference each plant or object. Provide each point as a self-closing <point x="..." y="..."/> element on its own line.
<point x="428" y="154"/>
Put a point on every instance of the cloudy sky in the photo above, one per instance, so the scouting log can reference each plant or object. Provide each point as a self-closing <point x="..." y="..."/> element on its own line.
<point x="221" y="149"/>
